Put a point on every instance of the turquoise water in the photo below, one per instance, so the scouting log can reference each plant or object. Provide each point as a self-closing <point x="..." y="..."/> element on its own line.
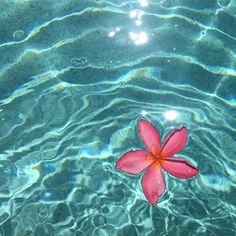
<point x="76" y="76"/>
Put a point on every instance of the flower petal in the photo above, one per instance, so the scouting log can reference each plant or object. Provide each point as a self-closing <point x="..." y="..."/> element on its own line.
<point x="150" y="136"/>
<point x="134" y="162"/>
<point x="174" y="142"/>
<point x="178" y="167"/>
<point x="153" y="183"/>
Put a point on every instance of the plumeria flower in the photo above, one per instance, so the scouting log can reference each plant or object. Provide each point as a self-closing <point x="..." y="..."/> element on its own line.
<point x="158" y="156"/>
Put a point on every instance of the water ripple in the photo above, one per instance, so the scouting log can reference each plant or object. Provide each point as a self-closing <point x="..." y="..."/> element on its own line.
<point x="75" y="78"/>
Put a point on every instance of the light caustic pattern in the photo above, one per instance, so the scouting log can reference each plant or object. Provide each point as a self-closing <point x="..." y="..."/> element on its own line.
<point x="76" y="76"/>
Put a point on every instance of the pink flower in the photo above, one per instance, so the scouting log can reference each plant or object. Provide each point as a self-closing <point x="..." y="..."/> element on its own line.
<point x="158" y="155"/>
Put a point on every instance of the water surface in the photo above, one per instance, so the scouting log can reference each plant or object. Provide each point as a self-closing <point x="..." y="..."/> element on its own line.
<point x="75" y="78"/>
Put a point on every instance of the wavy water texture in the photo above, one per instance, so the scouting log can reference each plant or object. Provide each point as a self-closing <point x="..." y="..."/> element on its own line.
<point x="76" y="76"/>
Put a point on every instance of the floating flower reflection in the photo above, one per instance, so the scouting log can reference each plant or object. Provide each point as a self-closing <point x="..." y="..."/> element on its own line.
<point x="157" y="157"/>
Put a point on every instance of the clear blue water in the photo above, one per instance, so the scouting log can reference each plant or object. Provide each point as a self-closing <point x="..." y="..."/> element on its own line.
<point x="76" y="76"/>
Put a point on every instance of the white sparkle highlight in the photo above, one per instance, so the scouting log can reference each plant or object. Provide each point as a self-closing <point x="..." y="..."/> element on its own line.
<point x="139" y="38"/>
<point x="111" y="34"/>
<point x="171" y="115"/>
<point x="144" y="113"/>
<point x="133" y="14"/>
<point x="143" y="3"/>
